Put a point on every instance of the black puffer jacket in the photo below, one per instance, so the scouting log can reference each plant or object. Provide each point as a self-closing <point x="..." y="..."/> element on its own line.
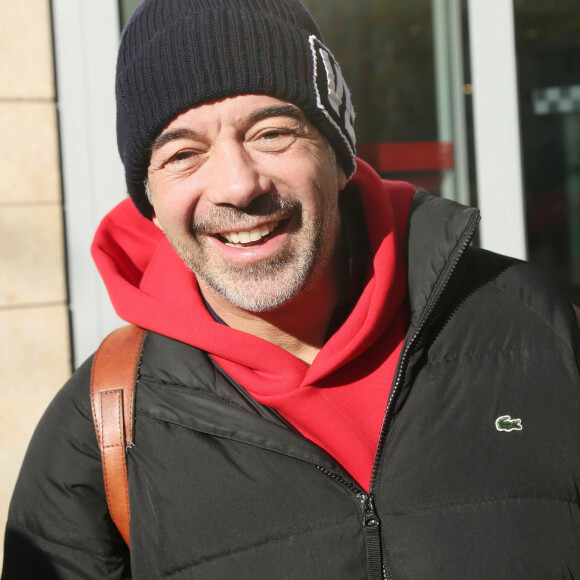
<point x="222" y="487"/>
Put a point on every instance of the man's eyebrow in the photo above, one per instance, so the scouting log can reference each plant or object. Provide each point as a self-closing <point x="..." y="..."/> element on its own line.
<point x="277" y="111"/>
<point x="265" y="113"/>
<point x="172" y="135"/>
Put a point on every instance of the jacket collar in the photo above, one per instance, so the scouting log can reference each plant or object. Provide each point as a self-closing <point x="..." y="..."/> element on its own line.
<point x="438" y="232"/>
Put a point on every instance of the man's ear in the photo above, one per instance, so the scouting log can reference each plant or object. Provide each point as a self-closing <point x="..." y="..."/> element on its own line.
<point x="150" y="199"/>
<point x="156" y="221"/>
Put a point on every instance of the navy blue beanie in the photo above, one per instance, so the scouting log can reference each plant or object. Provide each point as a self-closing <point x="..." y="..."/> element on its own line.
<point x="176" y="54"/>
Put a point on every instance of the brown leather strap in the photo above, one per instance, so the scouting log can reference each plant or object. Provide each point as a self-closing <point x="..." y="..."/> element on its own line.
<point x="113" y="379"/>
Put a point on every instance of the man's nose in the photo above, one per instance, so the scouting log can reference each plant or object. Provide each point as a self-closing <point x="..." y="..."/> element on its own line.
<point x="237" y="178"/>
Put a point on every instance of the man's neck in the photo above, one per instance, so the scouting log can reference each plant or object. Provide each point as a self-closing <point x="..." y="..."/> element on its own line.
<point x="299" y="326"/>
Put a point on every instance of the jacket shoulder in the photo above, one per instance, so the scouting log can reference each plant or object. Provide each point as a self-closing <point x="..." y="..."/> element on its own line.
<point x="506" y="304"/>
<point x="524" y="284"/>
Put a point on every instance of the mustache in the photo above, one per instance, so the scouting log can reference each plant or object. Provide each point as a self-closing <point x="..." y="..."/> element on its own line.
<point x="227" y="218"/>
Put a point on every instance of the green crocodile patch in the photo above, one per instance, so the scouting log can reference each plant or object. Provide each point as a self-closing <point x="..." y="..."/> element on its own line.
<point x="506" y="423"/>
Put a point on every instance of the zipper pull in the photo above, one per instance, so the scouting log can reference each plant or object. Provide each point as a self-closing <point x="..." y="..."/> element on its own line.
<point x="370" y="515"/>
<point x="371" y="530"/>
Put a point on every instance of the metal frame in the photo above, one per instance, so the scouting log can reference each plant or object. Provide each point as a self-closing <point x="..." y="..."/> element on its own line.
<point x="449" y="81"/>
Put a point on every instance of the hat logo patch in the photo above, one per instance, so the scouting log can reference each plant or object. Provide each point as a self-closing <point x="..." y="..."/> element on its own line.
<point x="332" y="93"/>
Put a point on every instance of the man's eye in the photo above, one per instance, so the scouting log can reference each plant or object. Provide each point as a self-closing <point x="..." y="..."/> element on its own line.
<point x="182" y="161"/>
<point x="275" y="140"/>
<point x="180" y="156"/>
<point x="274" y="134"/>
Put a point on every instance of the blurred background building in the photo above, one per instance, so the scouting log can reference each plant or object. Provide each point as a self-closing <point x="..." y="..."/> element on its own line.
<point x="474" y="101"/>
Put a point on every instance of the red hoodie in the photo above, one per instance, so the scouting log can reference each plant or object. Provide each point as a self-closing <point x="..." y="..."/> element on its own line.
<point x="339" y="400"/>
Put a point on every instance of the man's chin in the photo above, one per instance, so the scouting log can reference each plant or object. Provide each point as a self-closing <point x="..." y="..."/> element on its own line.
<point x="256" y="297"/>
<point x="262" y="286"/>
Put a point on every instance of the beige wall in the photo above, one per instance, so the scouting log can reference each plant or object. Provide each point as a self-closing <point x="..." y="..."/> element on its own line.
<point x="34" y="331"/>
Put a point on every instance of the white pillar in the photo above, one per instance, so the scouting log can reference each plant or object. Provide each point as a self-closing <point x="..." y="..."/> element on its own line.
<point x="497" y="128"/>
<point x="86" y="36"/>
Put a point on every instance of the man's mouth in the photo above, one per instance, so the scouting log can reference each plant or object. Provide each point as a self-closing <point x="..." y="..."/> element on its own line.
<point x="248" y="238"/>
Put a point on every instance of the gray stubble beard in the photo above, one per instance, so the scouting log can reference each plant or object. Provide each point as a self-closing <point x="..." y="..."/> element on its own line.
<point x="254" y="287"/>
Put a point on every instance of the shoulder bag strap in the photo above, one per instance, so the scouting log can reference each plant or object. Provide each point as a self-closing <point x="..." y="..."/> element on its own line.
<point x="113" y="379"/>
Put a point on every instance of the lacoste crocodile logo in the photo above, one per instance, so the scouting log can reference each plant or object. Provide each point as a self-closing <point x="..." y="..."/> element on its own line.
<point x="506" y="423"/>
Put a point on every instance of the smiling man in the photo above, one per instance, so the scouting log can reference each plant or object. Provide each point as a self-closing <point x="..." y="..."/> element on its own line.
<point x="330" y="370"/>
<point x="246" y="190"/>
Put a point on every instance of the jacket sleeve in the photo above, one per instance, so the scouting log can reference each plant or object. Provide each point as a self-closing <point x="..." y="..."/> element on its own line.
<point x="58" y="522"/>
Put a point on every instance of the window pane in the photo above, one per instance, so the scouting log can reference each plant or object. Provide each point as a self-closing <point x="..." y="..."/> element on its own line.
<point x="548" y="51"/>
<point x="404" y="62"/>
<point x="126" y="8"/>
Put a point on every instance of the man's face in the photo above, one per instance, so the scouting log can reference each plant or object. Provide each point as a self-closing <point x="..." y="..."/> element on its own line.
<point x="246" y="190"/>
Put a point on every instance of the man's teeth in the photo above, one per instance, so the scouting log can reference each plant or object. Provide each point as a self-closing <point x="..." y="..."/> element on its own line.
<point x="250" y="235"/>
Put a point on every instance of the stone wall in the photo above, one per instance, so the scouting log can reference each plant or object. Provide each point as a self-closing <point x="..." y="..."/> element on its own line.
<point x="34" y="322"/>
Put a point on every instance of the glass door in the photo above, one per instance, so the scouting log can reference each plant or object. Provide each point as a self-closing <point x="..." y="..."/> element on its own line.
<point x="404" y="63"/>
<point x="548" y="57"/>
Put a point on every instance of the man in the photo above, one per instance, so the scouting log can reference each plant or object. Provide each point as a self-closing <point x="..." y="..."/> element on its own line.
<point x="334" y="384"/>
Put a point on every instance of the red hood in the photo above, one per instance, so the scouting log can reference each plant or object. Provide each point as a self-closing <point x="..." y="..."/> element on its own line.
<point x="151" y="287"/>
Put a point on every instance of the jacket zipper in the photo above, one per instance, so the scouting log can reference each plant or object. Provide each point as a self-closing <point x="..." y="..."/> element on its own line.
<point x="458" y="252"/>
<point x="372" y="535"/>
<point x="376" y="568"/>
<point x="370" y="523"/>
